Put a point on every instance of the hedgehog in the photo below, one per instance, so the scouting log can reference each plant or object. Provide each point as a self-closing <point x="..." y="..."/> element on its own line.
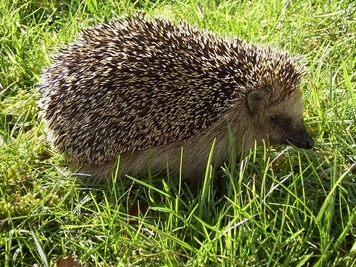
<point x="152" y="92"/>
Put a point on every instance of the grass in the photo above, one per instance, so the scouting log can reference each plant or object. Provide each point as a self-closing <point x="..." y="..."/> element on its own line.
<point x="280" y="207"/>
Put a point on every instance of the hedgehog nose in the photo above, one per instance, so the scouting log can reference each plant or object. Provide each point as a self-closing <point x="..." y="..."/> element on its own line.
<point x="309" y="143"/>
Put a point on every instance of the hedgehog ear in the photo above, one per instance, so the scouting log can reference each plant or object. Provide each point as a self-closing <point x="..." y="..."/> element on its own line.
<point x="256" y="101"/>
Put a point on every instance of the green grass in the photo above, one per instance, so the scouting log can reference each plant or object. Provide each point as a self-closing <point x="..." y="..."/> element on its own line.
<point x="282" y="207"/>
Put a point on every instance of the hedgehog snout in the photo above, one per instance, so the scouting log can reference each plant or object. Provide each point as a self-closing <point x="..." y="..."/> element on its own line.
<point x="305" y="141"/>
<point x="308" y="142"/>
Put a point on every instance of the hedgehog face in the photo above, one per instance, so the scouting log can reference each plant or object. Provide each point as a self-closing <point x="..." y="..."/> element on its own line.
<point x="280" y="123"/>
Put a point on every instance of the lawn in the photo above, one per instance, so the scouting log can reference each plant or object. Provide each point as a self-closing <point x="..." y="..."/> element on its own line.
<point x="280" y="206"/>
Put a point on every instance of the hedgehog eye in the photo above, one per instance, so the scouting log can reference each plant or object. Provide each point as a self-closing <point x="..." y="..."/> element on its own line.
<point x="273" y="117"/>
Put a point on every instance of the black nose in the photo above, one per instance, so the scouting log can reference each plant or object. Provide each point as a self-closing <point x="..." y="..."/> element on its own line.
<point x="308" y="143"/>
